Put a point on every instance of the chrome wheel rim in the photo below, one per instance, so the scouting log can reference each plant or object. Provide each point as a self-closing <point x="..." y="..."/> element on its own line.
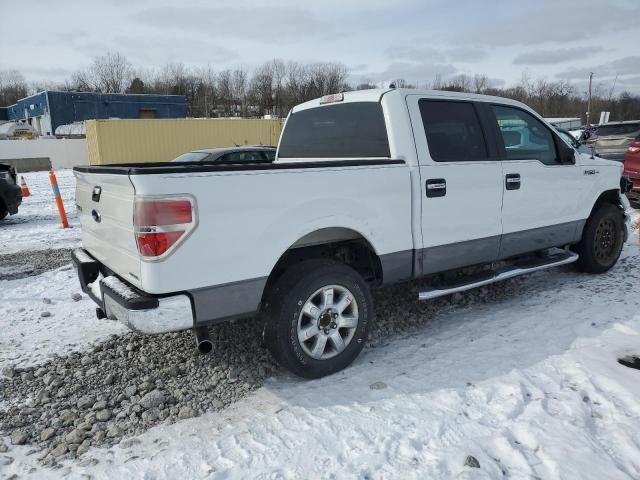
<point x="327" y="322"/>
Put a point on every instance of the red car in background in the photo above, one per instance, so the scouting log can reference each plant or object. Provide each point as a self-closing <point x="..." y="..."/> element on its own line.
<point x="632" y="170"/>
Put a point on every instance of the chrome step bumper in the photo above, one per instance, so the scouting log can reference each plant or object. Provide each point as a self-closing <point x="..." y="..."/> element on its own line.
<point x="141" y="312"/>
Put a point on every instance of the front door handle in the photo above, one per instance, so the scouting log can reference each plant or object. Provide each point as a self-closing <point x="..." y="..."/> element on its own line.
<point x="513" y="181"/>
<point x="436" y="187"/>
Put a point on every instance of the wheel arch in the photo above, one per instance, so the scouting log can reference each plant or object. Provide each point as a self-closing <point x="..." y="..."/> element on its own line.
<point x="609" y="196"/>
<point x="342" y="244"/>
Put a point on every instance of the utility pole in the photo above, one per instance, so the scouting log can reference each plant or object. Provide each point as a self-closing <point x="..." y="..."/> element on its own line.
<point x="589" y="103"/>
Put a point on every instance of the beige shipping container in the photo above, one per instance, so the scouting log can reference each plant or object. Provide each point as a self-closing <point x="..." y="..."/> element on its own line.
<point x="157" y="140"/>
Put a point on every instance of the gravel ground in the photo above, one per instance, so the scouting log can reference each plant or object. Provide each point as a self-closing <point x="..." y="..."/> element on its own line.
<point x="128" y="384"/>
<point x="28" y="263"/>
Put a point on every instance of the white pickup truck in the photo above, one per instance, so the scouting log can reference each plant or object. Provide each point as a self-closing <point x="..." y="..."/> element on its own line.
<point x="370" y="187"/>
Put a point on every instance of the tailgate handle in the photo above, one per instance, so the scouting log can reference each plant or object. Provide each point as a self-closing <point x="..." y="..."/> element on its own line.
<point x="436" y="187"/>
<point x="95" y="194"/>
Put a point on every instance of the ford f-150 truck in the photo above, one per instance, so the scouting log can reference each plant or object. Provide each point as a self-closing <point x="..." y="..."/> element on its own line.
<point x="368" y="188"/>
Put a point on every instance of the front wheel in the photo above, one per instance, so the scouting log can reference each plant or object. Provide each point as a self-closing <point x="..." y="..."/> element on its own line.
<point x="318" y="316"/>
<point x="602" y="239"/>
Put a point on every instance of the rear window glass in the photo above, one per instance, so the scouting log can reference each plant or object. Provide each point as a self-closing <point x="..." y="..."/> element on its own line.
<point x="453" y="131"/>
<point x="347" y="130"/>
<point x="621" y="129"/>
<point x="191" y="157"/>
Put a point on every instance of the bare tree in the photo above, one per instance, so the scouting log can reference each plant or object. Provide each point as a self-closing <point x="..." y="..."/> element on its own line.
<point x="112" y="72"/>
<point x="480" y="82"/>
<point x="239" y="89"/>
<point x="225" y="91"/>
<point x="13" y="87"/>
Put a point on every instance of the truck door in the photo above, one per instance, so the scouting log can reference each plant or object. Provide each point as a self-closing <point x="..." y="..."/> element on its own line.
<point x="461" y="179"/>
<point x="542" y="200"/>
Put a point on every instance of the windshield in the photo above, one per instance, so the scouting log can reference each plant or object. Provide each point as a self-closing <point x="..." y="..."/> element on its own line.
<point x="191" y="157"/>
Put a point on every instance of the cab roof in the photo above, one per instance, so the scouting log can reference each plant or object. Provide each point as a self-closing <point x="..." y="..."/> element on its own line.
<point x="376" y="94"/>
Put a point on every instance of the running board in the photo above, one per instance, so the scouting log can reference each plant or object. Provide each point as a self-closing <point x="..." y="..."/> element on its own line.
<point x="498" y="276"/>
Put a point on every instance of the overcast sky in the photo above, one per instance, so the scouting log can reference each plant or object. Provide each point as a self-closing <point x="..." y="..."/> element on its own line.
<point x="378" y="40"/>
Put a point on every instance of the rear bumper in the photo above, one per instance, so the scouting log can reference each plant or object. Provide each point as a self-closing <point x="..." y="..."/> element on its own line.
<point x="139" y="311"/>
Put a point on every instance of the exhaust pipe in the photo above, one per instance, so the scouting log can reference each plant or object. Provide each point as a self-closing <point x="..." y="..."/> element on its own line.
<point x="203" y="341"/>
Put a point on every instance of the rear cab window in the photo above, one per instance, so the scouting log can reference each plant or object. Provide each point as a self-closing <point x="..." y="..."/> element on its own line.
<point x="453" y="131"/>
<point x="346" y="130"/>
<point x="191" y="157"/>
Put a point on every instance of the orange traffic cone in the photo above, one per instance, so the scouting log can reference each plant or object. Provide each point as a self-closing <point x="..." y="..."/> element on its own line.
<point x="24" y="188"/>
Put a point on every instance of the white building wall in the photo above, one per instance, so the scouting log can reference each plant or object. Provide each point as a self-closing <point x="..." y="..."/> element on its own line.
<point x="63" y="153"/>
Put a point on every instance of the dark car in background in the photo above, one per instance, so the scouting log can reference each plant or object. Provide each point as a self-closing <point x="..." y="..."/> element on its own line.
<point x="611" y="140"/>
<point x="632" y="170"/>
<point x="10" y="192"/>
<point x="243" y="154"/>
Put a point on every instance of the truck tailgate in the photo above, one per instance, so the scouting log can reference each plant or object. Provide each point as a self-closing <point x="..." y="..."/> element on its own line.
<point x="105" y="209"/>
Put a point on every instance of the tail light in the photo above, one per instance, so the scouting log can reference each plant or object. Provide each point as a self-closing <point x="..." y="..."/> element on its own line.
<point x="634" y="147"/>
<point x="161" y="223"/>
<point x="590" y="141"/>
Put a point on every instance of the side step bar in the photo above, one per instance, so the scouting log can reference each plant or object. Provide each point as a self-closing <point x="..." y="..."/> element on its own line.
<point x="499" y="275"/>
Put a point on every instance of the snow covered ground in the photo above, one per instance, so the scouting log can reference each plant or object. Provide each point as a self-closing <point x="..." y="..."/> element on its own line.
<point x="28" y="338"/>
<point x="530" y="386"/>
<point x="71" y="325"/>
<point x="37" y="225"/>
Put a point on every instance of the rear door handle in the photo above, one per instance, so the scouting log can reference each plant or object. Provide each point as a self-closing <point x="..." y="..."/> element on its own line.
<point x="513" y="181"/>
<point x="436" y="187"/>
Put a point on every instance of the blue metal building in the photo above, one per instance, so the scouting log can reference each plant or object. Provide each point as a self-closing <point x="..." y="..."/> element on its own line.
<point x="45" y="111"/>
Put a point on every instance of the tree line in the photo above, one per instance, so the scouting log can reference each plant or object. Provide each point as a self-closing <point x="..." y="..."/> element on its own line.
<point x="274" y="87"/>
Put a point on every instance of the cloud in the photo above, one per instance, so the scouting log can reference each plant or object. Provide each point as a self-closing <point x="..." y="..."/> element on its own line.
<point x="264" y="24"/>
<point x="549" y="21"/>
<point x="466" y="54"/>
<point x="416" y="73"/>
<point x="622" y="66"/>
<point x="559" y="55"/>
<point x="414" y="53"/>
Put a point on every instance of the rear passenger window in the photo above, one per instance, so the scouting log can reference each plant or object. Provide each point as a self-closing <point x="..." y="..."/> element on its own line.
<point x="453" y="131"/>
<point x="348" y="130"/>
<point x="525" y="137"/>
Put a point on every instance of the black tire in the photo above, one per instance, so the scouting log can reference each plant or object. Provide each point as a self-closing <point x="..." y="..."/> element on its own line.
<point x="602" y="239"/>
<point x="633" y="202"/>
<point x="284" y="310"/>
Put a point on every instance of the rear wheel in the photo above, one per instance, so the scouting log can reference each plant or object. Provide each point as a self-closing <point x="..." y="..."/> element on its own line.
<point x="318" y="316"/>
<point x="602" y="239"/>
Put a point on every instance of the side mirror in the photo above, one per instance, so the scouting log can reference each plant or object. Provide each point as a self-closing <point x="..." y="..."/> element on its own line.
<point x="567" y="155"/>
